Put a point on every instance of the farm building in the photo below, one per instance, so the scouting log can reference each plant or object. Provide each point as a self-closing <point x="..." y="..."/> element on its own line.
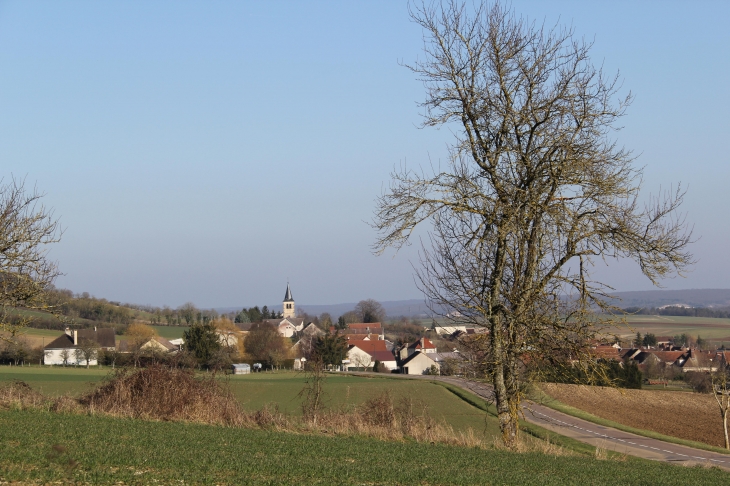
<point x="241" y="369"/>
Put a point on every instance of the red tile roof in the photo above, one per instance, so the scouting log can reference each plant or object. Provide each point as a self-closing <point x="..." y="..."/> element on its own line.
<point x="369" y="346"/>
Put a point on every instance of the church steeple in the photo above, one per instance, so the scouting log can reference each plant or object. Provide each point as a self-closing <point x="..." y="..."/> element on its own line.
<point x="288" y="304"/>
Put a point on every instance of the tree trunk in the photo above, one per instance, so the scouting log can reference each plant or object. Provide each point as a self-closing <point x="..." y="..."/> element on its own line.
<point x="724" y="425"/>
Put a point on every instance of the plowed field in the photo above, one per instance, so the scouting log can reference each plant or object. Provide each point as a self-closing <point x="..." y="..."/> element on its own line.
<point x="690" y="416"/>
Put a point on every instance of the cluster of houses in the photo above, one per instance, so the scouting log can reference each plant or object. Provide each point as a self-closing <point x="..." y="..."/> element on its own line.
<point x="665" y="354"/>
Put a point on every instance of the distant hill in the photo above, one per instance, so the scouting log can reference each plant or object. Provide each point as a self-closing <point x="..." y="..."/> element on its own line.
<point x="646" y="298"/>
<point x="393" y="308"/>
<point x="658" y="298"/>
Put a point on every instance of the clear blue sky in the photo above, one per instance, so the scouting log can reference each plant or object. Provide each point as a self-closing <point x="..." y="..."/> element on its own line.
<point x="209" y="151"/>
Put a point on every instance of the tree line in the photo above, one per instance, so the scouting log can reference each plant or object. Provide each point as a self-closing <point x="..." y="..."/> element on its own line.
<point x="679" y="311"/>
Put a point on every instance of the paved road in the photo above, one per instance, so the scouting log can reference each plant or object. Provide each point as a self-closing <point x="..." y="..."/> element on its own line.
<point x="596" y="435"/>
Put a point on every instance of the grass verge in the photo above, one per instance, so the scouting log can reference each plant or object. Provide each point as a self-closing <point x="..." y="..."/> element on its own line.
<point x="543" y="398"/>
<point x="528" y="428"/>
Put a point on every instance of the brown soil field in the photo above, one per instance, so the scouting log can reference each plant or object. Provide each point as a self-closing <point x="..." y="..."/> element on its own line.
<point x="690" y="416"/>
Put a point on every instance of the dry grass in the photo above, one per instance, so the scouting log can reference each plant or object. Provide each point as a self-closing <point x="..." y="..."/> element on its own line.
<point x="19" y="395"/>
<point x="170" y="394"/>
<point x="163" y="393"/>
<point x="527" y="443"/>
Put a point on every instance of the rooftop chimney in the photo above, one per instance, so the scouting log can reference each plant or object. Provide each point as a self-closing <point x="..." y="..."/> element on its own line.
<point x="68" y="332"/>
<point x="423" y="343"/>
<point x="76" y="337"/>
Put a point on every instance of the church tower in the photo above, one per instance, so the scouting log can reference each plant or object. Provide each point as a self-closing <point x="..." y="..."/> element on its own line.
<point x="288" y="304"/>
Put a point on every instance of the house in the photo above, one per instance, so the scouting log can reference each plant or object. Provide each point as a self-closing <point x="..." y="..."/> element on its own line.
<point x="288" y="326"/>
<point x="65" y="348"/>
<point x="158" y="345"/>
<point x="423" y="345"/>
<point x="695" y="360"/>
<point x="364" y="354"/>
<point x="362" y="331"/>
<point x="178" y="343"/>
<point x="419" y="363"/>
<point x="308" y="337"/>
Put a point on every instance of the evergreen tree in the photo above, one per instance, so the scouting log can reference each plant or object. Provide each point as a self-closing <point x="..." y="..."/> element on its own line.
<point x="639" y="340"/>
<point x="331" y="348"/>
<point x="202" y="341"/>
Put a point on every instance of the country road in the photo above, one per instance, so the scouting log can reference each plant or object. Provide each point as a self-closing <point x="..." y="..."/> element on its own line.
<point x="596" y="435"/>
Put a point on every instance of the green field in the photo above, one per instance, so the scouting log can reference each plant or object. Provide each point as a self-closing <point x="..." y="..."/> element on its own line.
<point x="709" y="328"/>
<point x="42" y="447"/>
<point x="170" y="332"/>
<point x="715" y="329"/>
<point x="259" y="389"/>
<point x="55" y="380"/>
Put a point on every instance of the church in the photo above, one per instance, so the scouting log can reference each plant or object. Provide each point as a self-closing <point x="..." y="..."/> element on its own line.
<point x="289" y="324"/>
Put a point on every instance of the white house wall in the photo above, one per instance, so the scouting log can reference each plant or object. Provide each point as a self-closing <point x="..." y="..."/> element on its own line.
<point x="53" y="357"/>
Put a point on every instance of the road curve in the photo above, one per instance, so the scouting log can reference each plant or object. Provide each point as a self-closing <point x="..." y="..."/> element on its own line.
<point x="596" y="435"/>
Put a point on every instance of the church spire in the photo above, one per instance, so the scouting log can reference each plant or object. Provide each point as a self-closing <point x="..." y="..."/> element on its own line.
<point x="288" y="304"/>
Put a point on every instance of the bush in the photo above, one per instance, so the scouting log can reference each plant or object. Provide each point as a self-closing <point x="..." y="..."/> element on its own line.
<point x="700" y="382"/>
<point x="164" y="393"/>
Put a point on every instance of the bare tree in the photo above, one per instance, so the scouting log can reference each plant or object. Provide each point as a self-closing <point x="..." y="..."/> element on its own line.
<point x="87" y="350"/>
<point x="721" y="392"/>
<point x="370" y="311"/>
<point x="535" y="190"/>
<point x="65" y="356"/>
<point x="26" y="229"/>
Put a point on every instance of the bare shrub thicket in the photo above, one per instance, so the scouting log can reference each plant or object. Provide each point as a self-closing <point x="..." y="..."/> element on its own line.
<point x="164" y="393"/>
<point x="18" y="395"/>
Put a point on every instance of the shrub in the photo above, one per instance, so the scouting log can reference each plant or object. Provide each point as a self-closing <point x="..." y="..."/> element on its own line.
<point x="164" y="393"/>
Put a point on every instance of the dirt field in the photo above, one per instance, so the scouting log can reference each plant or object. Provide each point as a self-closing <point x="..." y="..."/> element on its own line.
<point x="690" y="416"/>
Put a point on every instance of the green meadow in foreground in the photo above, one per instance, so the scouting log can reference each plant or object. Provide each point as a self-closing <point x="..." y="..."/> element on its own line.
<point x="256" y="390"/>
<point x="40" y="447"/>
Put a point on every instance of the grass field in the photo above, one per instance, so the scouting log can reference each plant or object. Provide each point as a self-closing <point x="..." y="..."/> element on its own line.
<point x="709" y="328"/>
<point x="40" y="447"/>
<point x="256" y="390"/>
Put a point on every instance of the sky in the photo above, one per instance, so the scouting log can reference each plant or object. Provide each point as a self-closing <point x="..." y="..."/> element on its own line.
<point x="211" y="152"/>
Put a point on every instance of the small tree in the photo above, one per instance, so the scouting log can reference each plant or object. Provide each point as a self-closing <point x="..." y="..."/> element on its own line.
<point x="331" y="349"/>
<point x="639" y="341"/>
<point x="27" y="227"/>
<point x="313" y="392"/>
<point x="649" y="340"/>
<point x="65" y="355"/>
<point x="202" y="341"/>
<point x="720" y="387"/>
<point x="264" y="343"/>
<point x="370" y="311"/>
<point x="86" y="350"/>
<point x="700" y="343"/>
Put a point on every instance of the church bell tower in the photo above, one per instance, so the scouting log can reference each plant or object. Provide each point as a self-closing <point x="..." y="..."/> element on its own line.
<point x="288" y="304"/>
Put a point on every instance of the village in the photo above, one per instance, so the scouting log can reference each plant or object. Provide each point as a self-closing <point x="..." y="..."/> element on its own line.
<point x="365" y="347"/>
